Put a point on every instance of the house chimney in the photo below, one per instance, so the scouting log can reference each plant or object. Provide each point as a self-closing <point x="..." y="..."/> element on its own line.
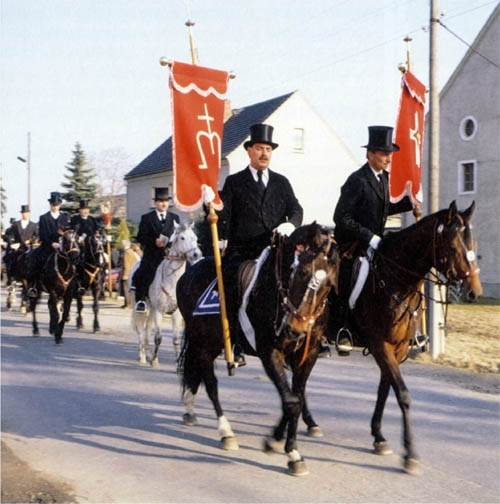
<point x="228" y="111"/>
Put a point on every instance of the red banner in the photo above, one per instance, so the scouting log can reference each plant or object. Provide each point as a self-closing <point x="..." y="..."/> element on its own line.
<point x="405" y="176"/>
<point x="198" y="95"/>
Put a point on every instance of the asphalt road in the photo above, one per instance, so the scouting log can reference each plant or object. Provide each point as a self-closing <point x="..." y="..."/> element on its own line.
<point x="86" y="413"/>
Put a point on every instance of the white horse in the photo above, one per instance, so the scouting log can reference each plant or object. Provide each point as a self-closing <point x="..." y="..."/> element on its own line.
<point x="161" y="295"/>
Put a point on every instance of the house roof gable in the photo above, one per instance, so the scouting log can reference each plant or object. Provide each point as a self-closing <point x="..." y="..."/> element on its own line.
<point x="236" y="130"/>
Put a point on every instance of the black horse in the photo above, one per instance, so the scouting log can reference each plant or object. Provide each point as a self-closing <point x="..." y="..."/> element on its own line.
<point x="57" y="279"/>
<point x="91" y="273"/>
<point x="15" y="262"/>
<point x="287" y="310"/>
<point x="387" y="313"/>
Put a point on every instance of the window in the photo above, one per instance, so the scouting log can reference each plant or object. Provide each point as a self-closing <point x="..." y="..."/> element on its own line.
<point x="298" y="139"/>
<point x="468" y="128"/>
<point x="466" y="177"/>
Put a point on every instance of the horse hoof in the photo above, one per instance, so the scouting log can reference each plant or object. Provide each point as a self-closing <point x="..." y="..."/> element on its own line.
<point x="154" y="363"/>
<point x="59" y="341"/>
<point x="271" y="446"/>
<point x="382" y="448"/>
<point x="22" y="309"/>
<point x="412" y="466"/>
<point x="315" y="431"/>
<point x="189" y="419"/>
<point x="297" y="468"/>
<point x="229" y="443"/>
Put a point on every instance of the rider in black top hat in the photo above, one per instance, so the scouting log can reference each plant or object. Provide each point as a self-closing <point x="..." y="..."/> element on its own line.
<point x="257" y="201"/>
<point x="153" y="224"/>
<point x="83" y="223"/>
<point x="361" y="214"/>
<point x="49" y="226"/>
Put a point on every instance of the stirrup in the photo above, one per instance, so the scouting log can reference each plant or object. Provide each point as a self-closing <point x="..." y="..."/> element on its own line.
<point x="239" y="357"/>
<point x="343" y="341"/>
<point x="140" y="306"/>
<point x="420" y="341"/>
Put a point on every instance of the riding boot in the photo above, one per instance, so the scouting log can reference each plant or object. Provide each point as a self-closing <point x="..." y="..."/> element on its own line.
<point x="343" y="339"/>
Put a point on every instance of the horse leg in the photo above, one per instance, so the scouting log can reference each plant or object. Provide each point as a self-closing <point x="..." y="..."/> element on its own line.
<point x="54" y="313"/>
<point x="380" y="445"/>
<point x="95" y="307"/>
<point x="79" y="308"/>
<point x="177" y="323"/>
<point x="32" y="308"/>
<point x="227" y="437"/>
<point x="390" y="368"/>
<point x="68" y="297"/>
<point x="313" y="429"/>
<point x="11" y="293"/>
<point x="157" y="317"/>
<point x="292" y="407"/>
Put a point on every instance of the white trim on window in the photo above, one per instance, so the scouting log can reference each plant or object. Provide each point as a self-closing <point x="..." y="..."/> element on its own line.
<point x="465" y="123"/>
<point x="467" y="176"/>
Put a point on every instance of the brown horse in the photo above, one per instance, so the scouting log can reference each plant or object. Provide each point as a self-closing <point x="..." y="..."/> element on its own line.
<point x="387" y="313"/>
<point x="57" y="279"/>
<point x="286" y="309"/>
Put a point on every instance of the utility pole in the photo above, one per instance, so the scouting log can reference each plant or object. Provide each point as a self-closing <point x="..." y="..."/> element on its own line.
<point x="29" y="169"/>
<point x="436" y="322"/>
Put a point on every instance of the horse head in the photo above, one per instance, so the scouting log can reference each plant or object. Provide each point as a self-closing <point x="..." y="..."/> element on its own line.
<point x="455" y="254"/>
<point x="184" y="243"/>
<point x="313" y="264"/>
<point x="68" y="244"/>
<point x="94" y="249"/>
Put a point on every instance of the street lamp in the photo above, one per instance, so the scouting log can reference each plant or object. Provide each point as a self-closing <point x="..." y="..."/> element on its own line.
<point x="28" y="165"/>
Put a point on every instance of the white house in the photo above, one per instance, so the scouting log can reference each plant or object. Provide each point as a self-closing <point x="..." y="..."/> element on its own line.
<point x="310" y="155"/>
<point x="470" y="145"/>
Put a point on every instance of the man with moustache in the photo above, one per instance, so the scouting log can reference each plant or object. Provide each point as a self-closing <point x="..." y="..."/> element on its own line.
<point x="257" y="202"/>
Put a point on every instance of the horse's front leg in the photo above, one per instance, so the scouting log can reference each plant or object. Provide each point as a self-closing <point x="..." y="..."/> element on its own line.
<point x="68" y="297"/>
<point x="79" y="308"/>
<point x="390" y="370"/>
<point x="177" y="326"/>
<point x="380" y="444"/>
<point x="11" y="290"/>
<point x="95" y="307"/>
<point x="32" y="308"/>
<point x="54" y="313"/>
<point x="157" y="317"/>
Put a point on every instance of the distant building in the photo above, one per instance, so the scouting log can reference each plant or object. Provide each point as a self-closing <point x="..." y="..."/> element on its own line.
<point x="310" y="154"/>
<point x="470" y="146"/>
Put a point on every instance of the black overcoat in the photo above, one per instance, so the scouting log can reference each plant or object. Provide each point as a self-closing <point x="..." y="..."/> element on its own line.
<point x="150" y="229"/>
<point x="363" y="207"/>
<point x="48" y="227"/>
<point x="86" y="226"/>
<point x="248" y="217"/>
<point x="29" y="233"/>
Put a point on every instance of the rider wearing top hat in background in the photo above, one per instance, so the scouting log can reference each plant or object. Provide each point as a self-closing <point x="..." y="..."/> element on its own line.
<point x="257" y="201"/>
<point x="20" y="236"/>
<point x="82" y="222"/>
<point x="49" y="225"/>
<point x="360" y="217"/>
<point x="153" y="224"/>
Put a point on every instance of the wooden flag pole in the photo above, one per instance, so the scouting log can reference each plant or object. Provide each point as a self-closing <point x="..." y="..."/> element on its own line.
<point x="213" y="219"/>
<point x="417" y="212"/>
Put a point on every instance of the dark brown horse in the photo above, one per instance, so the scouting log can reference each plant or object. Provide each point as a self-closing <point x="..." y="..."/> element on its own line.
<point x="91" y="272"/>
<point x="15" y="260"/>
<point x="57" y="279"/>
<point x="387" y="313"/>
<point x="286" y="309"/>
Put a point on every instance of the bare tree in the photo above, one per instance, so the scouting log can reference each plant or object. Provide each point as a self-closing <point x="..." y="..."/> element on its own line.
<point x="110" y="167"/>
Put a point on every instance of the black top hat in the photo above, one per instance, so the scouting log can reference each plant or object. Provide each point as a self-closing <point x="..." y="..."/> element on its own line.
<point x="161" y="194"/>
<point x="55" y="198"/>
<point x="380" y="138"/>
<point x="84" y="203"/>
<point x="261" y="133"/>
<point x="25" y="208"/>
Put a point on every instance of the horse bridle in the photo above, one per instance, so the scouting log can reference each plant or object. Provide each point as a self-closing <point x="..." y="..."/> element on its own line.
<point x="73" y="248"/>
<point x="99" y="250"/>
<point x="442" y="257"/>
<point x="288" y="308"/>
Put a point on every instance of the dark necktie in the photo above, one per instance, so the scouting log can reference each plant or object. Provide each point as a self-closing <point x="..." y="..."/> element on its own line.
<point x="260" y="182"/>
<point x="162" y="218"/>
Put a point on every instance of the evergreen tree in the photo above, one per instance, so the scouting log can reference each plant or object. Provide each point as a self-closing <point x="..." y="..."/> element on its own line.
<point x="3" y="206"/>
<point x="79" y="185"/>
<point x="122" y="233"/>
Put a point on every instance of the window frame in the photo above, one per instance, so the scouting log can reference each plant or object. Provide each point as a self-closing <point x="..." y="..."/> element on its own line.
<point x="461" y="181"/>
<point x="461" y="128"/>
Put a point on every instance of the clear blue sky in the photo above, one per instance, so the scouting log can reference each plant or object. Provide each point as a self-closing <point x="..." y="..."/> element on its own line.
<point x="87" y="70"/>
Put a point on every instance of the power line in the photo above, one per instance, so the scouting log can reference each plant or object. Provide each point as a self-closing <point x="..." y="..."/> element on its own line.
<point x="467" y="44"/>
